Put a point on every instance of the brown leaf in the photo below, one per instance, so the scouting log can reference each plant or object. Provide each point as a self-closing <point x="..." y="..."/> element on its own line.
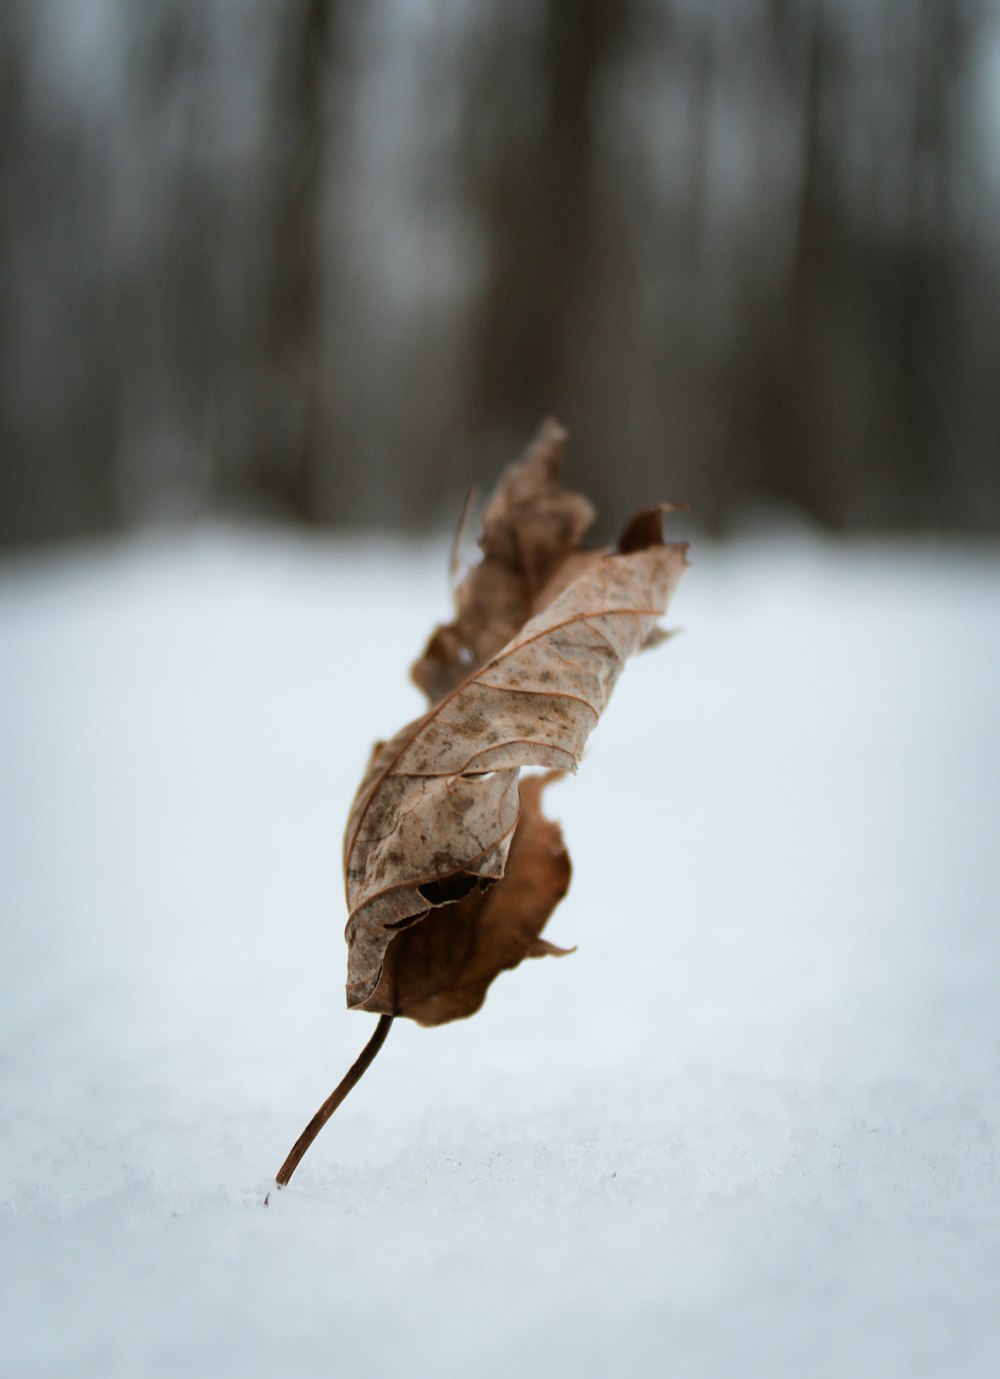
<point x="451" y="868"/>
<point x="532" y="527"/>
<point x="436" y="814"/>
<point x="439" y="968"/>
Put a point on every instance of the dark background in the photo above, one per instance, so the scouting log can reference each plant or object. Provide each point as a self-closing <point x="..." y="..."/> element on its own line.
<point x="332" y="262"/>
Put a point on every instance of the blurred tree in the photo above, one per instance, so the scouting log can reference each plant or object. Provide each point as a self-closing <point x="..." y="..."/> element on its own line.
<point x="289" y="460"/>
<point x="533" y="180"/>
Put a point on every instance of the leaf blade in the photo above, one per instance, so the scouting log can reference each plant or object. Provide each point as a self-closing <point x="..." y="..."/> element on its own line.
<point x="443" y="793"/>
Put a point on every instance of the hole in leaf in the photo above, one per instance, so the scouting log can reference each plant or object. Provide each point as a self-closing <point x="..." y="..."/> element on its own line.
<point x="449" y="888"/>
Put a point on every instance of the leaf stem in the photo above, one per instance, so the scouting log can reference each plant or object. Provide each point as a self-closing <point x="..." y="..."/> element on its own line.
<point x="350" y="1079"/>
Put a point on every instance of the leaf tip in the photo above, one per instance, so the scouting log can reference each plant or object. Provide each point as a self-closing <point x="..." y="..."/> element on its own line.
<point x="553" y="432"/>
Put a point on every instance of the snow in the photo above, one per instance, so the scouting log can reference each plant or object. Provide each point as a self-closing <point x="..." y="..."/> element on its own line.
<point x="750" y="1127"/>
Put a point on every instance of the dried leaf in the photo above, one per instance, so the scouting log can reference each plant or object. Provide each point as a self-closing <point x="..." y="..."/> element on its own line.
<point x="435" y="816"/>
<point x="451" y="868"/>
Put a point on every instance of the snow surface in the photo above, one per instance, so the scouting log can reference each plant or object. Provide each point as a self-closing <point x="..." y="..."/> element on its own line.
<point x="749" y="1128"/>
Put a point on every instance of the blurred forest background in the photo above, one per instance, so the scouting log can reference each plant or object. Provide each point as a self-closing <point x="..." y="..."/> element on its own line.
<point x="332" y="262"/>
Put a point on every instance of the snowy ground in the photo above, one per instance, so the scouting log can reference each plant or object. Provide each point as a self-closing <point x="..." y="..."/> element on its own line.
<point x="750" y="1128"/>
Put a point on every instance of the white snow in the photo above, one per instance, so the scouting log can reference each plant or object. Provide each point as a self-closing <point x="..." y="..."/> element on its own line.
<point x="749" y="1128"/>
